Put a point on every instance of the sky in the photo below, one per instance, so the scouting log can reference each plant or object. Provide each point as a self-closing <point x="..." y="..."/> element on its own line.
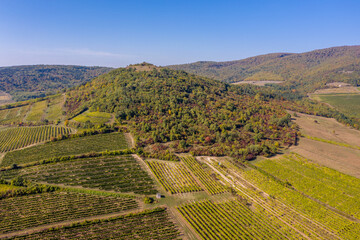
<point x="117" y="33"/>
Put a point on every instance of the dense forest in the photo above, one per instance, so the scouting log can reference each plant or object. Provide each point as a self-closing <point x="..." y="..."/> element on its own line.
<point x="191" y="113"/>
<point x="305" y="71"/>
<point x="25" y="82"/>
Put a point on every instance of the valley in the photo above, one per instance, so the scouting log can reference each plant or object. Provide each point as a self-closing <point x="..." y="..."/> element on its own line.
<point x="259" y="173"/>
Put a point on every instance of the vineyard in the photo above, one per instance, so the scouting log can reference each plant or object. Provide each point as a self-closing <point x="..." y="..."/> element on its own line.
<point x="149" y="224"/>
<point x="329" y="186"/>
<point x="120" y="174"/>
<point x="23" y="212"/>
<point x="15" y="138"/>
<point x="39" y="112"/>
<point x="174" y="177"/>
<point x="326" y="218"/>
<point x="8" y="116"/>
<point x="95" y="143"/>
<point x="211" y="185"/>
<point x="228" y="220"/>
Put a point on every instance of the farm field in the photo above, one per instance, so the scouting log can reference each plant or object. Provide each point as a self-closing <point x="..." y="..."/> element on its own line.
<point x="149" y="224"/>
<point x="50" y="110"/>
<point x="174" y="177"/>
<point x="329" y="186"/>
<point x="348" y="104"/>
<point x="120" y="174"/>
<point x="73" y="146"/>
<point x="332" y="222"/>
<point x="210" y="184"/>
<point x="14" y="138"/>
<point x="37" y="112"/>
<point x="54" y="111"/>
<point x="323" y="143"/>
<point x="228" y="220"/>
<point x="326" y="128"/>
<point x="8" y="116"/>
<point x="23" y="212"/>
<point x="96" y="118"/>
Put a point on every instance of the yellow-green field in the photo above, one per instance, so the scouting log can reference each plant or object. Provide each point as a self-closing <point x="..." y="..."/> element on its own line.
<point x="96" y="118"/>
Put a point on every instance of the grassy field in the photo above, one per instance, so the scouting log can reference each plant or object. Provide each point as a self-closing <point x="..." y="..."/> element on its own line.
<point x="120" y="174"/>
<point x="95" y="143"/>
<point x="96" y="118"/>
<point x="348" y="104"/>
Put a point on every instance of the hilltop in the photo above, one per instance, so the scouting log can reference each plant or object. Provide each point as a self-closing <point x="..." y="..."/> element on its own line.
<point x="193" y="113"/>
<point x="25" y="82"/>
<point x="307" y="71"/>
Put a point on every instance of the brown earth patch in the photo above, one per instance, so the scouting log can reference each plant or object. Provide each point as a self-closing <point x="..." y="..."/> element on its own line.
<point x="342" y="159"/>
<point x="327" y="128"/>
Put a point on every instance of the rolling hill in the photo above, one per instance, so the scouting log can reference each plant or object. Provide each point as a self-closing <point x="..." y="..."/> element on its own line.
<point x="307" y="71"/>
<point x="196" y="114"/>
<point x="25" y="82"/>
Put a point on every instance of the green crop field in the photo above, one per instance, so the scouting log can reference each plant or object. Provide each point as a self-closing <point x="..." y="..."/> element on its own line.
<point x="211" y="185"/>
<point x="121" y="174"/>
<point x="23" y="212"/>
<point x="348" y="104"/>
<point x="73" y="146"/>
<point x="149" y="224"/>
<point x="14" y="138"/>
<point x="174" y="177"/>
<point x="96" y="118"/>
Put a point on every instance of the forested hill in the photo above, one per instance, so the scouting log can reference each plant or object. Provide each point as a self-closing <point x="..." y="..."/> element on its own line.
<point x="24" y="82"/>
<point x="196" y="114"/>
<point x="308" y="70"/>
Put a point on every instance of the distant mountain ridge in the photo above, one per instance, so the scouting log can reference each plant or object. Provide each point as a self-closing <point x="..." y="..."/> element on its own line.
<point x="30" y="81"/>
<point x="310" y="69"/>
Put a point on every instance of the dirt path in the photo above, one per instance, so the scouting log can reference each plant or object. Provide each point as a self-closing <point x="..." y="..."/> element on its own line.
<point x="111" y="120"/>
<point x="130" y="139"/>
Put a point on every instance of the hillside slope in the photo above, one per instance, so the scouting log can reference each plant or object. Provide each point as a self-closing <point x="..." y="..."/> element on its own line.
<point x="194" y="113"/>
<point x="24" y="82"/>
<point x="308" y="71"/>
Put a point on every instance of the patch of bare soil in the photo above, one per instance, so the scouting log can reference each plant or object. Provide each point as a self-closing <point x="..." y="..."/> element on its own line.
<point x="5" y="98"/>
<point x="327" y="128"/>
<point x="346" y="89"/>
<point x="258" y="83"/>
<point x="342" y="159"/>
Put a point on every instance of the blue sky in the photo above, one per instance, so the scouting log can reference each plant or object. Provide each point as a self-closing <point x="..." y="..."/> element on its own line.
<point x="118" y="33"/>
